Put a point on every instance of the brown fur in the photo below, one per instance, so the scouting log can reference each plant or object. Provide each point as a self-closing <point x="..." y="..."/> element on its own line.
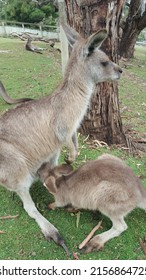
<point x="34" y="132"/>
<point x="106" y="184"/>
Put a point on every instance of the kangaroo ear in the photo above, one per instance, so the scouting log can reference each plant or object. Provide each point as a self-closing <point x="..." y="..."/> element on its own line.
<point x="44" y="170"/>
<point x="50" y="184"/>
<point x="94" y="41"/>
<point x="71" y="34"/>
<point x="63" y="169"/>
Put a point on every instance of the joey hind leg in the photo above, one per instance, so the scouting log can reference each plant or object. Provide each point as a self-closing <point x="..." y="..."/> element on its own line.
<point x="97" y="242"/>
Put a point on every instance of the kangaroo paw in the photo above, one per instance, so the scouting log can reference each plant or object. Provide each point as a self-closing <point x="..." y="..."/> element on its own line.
<point x="92" y="245"/>
<point x="52" y="206"/>
<point x="59" y="240"/>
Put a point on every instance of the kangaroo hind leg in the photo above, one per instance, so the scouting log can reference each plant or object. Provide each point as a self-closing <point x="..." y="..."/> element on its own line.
<point x="49" y="231"/>
<point x="97" y="242"/>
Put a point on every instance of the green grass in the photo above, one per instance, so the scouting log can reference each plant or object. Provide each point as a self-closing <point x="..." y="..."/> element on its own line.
<point x="27" y="74"/>
<point x="132" y="91"/>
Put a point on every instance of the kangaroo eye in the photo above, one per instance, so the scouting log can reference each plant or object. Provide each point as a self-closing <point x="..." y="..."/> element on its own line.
<point x="104" y="63"/>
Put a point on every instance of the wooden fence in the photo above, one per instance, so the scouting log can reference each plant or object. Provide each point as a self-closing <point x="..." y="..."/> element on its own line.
<point x="8" y="28"/>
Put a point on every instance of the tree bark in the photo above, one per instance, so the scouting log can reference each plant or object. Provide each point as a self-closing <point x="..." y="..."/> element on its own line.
<point x="103" y="121"/>
<point x="135" y="23"/>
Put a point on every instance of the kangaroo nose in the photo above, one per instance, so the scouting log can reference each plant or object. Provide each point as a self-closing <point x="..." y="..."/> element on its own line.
<point x="120" y="70"/>
<point x="117" y="68"/>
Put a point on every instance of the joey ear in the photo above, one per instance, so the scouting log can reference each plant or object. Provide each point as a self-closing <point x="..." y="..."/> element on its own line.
<point x="71" y="34"/>
<point x="94" y="41"/>
<point x="63" y="169"/>
<point x="50" y="184"/>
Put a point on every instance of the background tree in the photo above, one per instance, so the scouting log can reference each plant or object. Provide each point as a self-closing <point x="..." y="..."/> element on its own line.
<point x="103" y="121"/>
<point x="30" y="11"/>
<point x="2" y="5"/>
<point x="135" y="22"/>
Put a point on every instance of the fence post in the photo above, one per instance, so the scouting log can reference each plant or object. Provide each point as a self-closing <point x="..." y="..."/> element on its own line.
<point x="23" y="27"/>
<point x="63" y="39"/>
<point x="40" y="27"/>
<point x="4" y="29"/>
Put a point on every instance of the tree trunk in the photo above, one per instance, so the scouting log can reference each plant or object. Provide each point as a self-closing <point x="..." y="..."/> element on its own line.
<point x="135" y="23"/>
<point x="103" y="121"/>
<point x="128" y="41"/>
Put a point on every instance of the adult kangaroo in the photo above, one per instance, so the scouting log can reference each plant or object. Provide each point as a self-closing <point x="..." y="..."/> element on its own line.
<point x="34" y="132"/>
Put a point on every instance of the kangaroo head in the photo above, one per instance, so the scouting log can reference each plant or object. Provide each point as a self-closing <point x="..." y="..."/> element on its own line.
<point x="57" y="172"/>
<point x="88" y="57"/>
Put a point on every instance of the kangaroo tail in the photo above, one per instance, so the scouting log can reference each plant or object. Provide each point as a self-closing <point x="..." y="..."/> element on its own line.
<point x="8" y="99"/>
